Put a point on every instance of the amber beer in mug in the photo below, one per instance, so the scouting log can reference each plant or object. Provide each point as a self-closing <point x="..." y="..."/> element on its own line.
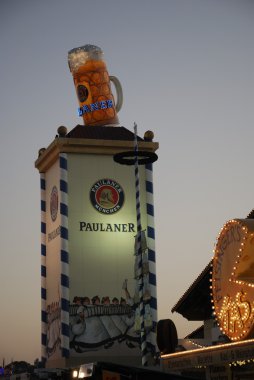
<point x="92" y="83"/>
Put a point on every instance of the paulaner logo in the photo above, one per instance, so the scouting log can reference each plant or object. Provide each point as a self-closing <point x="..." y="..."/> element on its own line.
<point x="107" y="196"/>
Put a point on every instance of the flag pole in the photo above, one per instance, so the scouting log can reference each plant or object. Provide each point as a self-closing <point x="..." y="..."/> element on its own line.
<point x="139" y="253"/>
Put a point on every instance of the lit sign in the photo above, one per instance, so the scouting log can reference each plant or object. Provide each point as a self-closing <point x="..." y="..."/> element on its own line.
<point x="212" y="355"/>
<point x="95" y="107"/>
<point x="233" y="279"/>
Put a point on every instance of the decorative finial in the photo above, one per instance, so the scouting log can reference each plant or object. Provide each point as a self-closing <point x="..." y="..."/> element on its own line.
<point x="148" y="136"/>
<point x="62" y="131"/>
<point x="41" y="151"/>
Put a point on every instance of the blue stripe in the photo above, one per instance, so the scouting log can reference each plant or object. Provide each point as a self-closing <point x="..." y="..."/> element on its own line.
<point x="43" y="339"/>
<point x="43" y="184"/>
<point x="64" y="233"/>
<point x="153" y="303"/>
<point x="64" y="257"/>
<point x="63" y="163"/>
<point x="151" y="232"/>
<point x="152" y="279"/>
<point x="65" y="353"/>
<point x="154" y="326"/>
<point x="64" y="280"/>
<point x="65" y="305"/>
<point x="43" y="206"/>
<point x="63" y="186"/>
<point x="151" y="255"/>
<point x="149" y="167"/>
<point x="149" y="187"/>
<point x="43" y="249"/>
<point x="43" y="271"/>
<point x="43" y="227"/>
<point x="63" y="209"/>
<point x="44" y="316"/>
<point x="65" y="329"/>
<point x="150" y="209"/>
<point x="43" y="293"/>
<point x="151" y="346"/>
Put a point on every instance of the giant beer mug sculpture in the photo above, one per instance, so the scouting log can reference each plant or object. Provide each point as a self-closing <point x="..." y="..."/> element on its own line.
<point x="92" y="83"/>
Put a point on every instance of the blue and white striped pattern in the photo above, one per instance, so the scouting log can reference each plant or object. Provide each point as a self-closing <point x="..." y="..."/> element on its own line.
<point x="139" y="253"/>
<point x="151" y="252"/>
<point x="65" y="333"/>
<point x="43" y="270"/>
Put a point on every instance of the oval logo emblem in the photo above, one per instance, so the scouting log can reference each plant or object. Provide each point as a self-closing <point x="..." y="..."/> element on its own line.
<point x="82" y="93"/>
<point x="54" y="203"/>
<point x="107" y="196"/>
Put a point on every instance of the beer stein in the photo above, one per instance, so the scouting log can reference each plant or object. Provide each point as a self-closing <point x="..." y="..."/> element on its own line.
<point x="92" y="83"/>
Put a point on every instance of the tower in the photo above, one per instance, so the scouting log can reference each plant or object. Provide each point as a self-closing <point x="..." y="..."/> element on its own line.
<point x="88" y="226"/>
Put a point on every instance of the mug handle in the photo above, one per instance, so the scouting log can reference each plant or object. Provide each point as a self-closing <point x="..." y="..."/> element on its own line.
<point x="119" y="92"/>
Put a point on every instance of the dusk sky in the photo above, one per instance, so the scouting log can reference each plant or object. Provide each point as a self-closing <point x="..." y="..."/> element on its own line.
<point x="187" y="72"/>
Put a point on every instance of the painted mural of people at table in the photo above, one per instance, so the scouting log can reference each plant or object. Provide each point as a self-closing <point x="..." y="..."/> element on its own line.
<point x="119" y="320"/>
<point x="109" y="324"/>
<point x="105" y="301"/>
<point x="89" y="330"/>
<point x="77" y="300"/>
<point x="102" y="321"/>
<point x="79" y="325"/>
<point x="94" y="333"/>
<point x="80" y="313"/>
<point x="86" y="301"/>
<point x="96" y="300"/>
<point x="129" y="318"/>
<point x="53" y="327"/>
<point x="115" y="301"/>
<point x="122" y="301"/>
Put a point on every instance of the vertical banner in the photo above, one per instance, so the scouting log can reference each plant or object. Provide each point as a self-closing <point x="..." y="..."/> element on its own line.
<point x="102" y="228"/>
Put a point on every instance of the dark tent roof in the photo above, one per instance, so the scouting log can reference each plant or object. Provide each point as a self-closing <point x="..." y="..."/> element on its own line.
<point x="196" y="334"/>
<point x="102" y="133"/>
<point x="195" y="304"/>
